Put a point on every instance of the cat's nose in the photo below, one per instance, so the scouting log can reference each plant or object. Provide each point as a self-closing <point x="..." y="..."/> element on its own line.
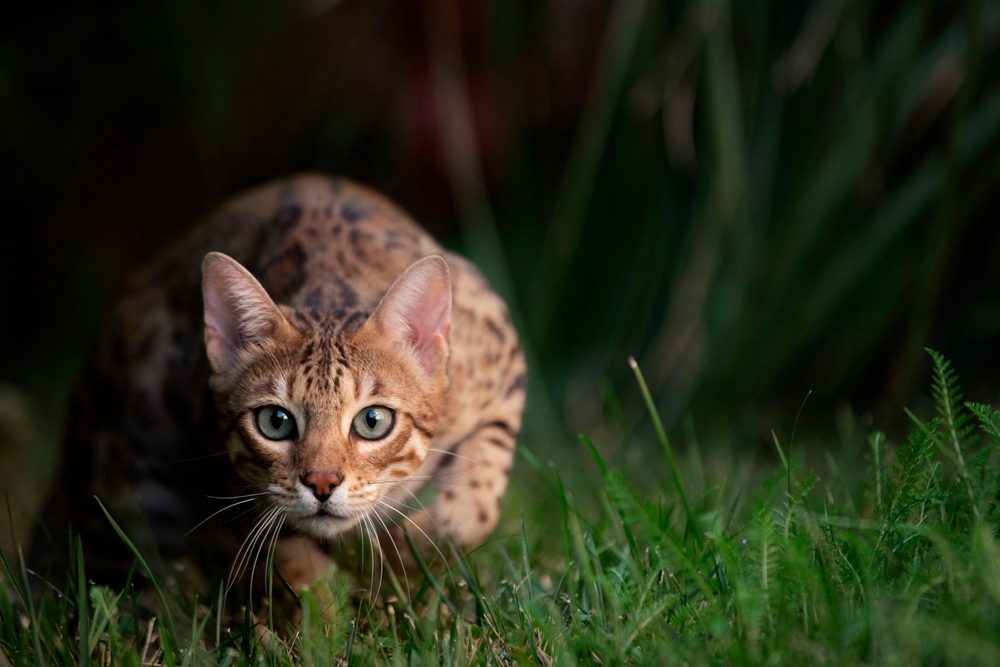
<point x="322" y="483"/>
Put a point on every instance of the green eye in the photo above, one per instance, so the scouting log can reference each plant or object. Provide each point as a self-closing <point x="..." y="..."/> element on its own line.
<point x="275" y="423"/>
<point x="374" y="422"/>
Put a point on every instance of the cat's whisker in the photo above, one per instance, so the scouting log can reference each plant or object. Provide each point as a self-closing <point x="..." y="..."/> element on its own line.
<point x="361" y="539"/>
<point x="402" y="504"/>
<point x="415" y="525"/>
<point x="381" y="557"/>
<point x="259" y="536"/>
<point x="422" y="478"/>
<point x="401" y="480"/>
<point x="247" y="495"/>
<point x="445" y="452"/>
<point x="275" y="523"/>
<point x="240" y="515"/>
<point x="269" y="560"/>
<point x="368" y="535"/>
<point x="231" y="577"/>
<point x="217" y="512"/>
<point x="439" y="478"/>
<point x="235" y="572"/>
<point x="388" y="533"/>
<point x="420" y="504"/>
<point x="373" y="536"/>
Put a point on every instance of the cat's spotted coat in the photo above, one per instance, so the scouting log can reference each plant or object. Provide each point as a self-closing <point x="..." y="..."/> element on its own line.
<point x="365" y="364"/>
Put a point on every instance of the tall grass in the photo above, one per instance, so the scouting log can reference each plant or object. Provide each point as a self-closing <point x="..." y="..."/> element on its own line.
<point x="840" y="154"/>
<point x="895" y="563"/>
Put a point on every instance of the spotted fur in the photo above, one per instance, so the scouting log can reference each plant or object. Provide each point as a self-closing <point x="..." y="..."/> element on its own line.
<point x="320" y="296"/>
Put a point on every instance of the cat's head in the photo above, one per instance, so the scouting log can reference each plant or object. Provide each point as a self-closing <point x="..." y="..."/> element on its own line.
<point x="324" y="422"/>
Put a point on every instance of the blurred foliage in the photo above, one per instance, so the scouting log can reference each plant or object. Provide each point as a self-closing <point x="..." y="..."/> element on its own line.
<point x="756" y="199"/>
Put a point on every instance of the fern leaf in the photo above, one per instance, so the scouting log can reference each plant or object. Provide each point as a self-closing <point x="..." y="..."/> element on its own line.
<point x="989" y="418"/>
<point x="913" y="470"/>
<point x="948" y="398"/>
<point x="956" y="419"/>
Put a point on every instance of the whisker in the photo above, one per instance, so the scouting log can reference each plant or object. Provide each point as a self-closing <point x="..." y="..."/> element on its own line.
<point x="269" y="560"/>
<point x="438" y="477"/>
<point x="217" y="512"/>
<point x="445" y="452"/>
<point x="240" y="515"/>
<point x="235" y="572"/>
<point x="273" y="522"/>
<point x="400" y="480"/>
<point x="414" y="524"/>
<point x="361" y="561"/>
<point x="374" y="540"/>
<point x="248" y="495"/>
<point x="366" y="534"/>
<point x="406" y="579"/>
<point x="259" y="536"/>
<point x="251" y="535"/>
<point x="402" y="504"/>
<point x="420" y="504"/>
<point x="381" y="557"/>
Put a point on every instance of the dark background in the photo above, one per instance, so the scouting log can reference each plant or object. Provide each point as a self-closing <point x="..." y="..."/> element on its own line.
<point x="756" y="199"/>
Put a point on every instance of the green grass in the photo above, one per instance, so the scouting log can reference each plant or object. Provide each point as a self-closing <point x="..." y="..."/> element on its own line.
<point x="888" y="554"/>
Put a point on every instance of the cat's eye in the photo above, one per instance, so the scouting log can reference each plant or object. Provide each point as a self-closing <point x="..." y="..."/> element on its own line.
<point x="373" y="422"/>
<point x="275" y="423"/>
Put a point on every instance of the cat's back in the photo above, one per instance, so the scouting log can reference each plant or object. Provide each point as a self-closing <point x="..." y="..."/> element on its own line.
<point x="306" y="238"/>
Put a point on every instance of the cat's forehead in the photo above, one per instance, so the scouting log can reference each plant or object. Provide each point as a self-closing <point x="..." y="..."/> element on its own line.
<point x="333" y="363"/>
<point x="318" y="323"/>
<point x="323" y="362"/>
<point x="325" y="342"/>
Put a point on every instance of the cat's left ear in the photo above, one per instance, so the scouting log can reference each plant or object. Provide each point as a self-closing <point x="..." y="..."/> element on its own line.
<point x="238" y="311"/>
<point x="416" y="312"/>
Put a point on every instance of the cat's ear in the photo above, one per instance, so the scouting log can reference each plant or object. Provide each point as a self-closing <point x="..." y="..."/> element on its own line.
<point x="416" y="311"/>
<point x="238" y="310"/>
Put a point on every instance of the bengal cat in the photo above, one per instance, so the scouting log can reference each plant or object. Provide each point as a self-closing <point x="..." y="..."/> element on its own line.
<point x="311" y="355"/>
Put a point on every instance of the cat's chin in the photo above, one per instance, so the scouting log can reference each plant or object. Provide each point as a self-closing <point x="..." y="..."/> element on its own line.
<point x="324" y="526"/>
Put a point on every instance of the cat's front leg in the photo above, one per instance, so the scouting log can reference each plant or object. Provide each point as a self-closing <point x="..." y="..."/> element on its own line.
<point x="300" y="561"/>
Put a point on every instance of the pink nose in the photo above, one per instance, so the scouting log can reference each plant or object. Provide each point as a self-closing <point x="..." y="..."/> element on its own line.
<point x="322" y="483"/>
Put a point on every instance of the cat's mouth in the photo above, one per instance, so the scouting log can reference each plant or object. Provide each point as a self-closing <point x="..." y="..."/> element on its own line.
<point x="324" y="515"/>
<point x="324" y="523"/>
<point x="322" y="511"/>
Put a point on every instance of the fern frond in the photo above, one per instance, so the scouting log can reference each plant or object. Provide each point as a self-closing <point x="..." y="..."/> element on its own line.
<point x="767" y="547"/>
<point x="989" y="419"/>
<point x="910" y="493"/>
<point x="913" y="471"/>
<point x="948" y="399"/>
<point x="956" y="419"/>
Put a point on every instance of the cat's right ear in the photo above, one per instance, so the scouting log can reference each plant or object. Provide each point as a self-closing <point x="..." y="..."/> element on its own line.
<point x="238" y="311"/>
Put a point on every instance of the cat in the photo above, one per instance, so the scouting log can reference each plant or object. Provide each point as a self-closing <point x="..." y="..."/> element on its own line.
<point x="309" y="354"/>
